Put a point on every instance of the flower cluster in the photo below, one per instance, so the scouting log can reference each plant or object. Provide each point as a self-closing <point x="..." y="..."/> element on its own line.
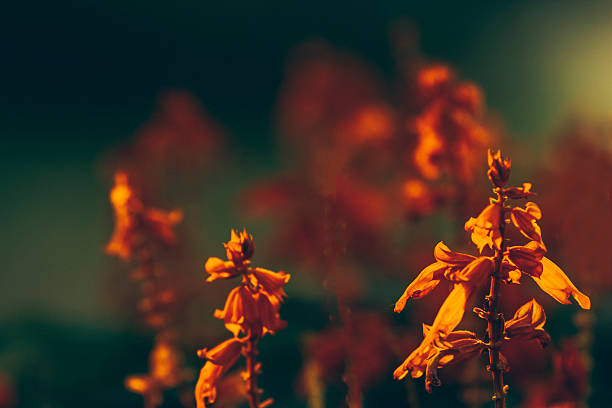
<point x="442" y="344"/>
<point x="140" y="232"/>
<point x="165" y="371"/>
<point x="251" y="310"/>
<point x="135" y="223"/>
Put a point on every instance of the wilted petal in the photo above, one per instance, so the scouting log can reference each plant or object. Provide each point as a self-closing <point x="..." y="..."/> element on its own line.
<point x="527" y="258"/>
<point x="424" y="283"/>
<point x="485" y="228"/>
<point x="220" y="269"/>
<point x="525" y="221"/>
<point x="272" y="282"/>
<point x="554" y="282"/>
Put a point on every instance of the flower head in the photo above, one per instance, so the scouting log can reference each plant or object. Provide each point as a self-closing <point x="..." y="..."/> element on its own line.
<point x="240" y="247"/>
<point x="499" y="169"/>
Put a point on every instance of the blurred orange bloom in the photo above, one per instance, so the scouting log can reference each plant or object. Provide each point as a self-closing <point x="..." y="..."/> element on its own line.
<point x="134" y="222"/>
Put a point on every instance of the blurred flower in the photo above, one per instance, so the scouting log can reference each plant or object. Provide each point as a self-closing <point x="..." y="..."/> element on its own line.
<point x="165" y="371"/>
<point x="134" y="222"/>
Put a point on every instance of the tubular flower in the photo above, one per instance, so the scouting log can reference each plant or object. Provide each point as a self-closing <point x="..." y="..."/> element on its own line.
<point x="499" y="169"/>
<point x="553" y="281"/>
<point x="485" y="228"/>
<point x="447" y="262"/>
<point x="449" y="316"/>
<point x="528" y="323"/>
<point x="134" y="221"/>
<point x="224" y="353"/>
<point x="240" y="310"/>
<point x="525" y="221"/>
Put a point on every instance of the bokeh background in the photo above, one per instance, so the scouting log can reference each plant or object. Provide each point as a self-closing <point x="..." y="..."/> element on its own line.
<point x="82" y="82"/>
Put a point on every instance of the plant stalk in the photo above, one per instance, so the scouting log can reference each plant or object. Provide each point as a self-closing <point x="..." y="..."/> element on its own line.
<point x="251" y="355"/>
<point x="495" y="325"/>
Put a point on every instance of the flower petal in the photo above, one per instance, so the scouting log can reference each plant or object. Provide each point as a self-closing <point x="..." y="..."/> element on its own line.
<point x="220" y="269"/>
<point x="525" y="221"/>
<point x="556" y="283"/>
<point x="271" y="281"/>
<point x="424" y="283"/>
<point x="485" y="228"/>
<point x="442" y="253"/>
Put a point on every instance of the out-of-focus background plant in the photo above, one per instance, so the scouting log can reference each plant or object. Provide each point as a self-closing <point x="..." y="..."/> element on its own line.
<point x="348" y="138"/>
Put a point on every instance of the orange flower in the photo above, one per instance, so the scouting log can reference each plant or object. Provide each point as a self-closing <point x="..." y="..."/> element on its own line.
<point x="220" y="269"/>
<point x="240" y="309"/>
<point x="449" y="316"/>
<point x="132" y="220"/>
<point x="527" y="258"/>
<point x="224" y="353"/>
<point x="528" y="323"/>
<point x="485" y="228"/>
<point x="205" y="389"/>
<point x="240" y="248"/>
<point x="165" y="371"/>
<point x="499" y="169"/>
<point x="553" y="281"/>
<point x="272" y="282"/>
<point x="447" y="263"/>
<point x="525" y="221"/>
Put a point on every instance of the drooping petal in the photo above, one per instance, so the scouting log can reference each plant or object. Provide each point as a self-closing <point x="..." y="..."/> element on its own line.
<point x="516" y="193"/>
<point x="223" y="353"/>
<point x="484" y="229"/>
<point x="240" y="310"/>
<point x="424" y="283"/>
<point x="444" y="254"/>
<point x="220" y="269"/>
<point x="556" y="283"/>
<point x="527" y="258"/>
<point x="472" y="272"/>
<point x="416" y="363"/>
<point x="272" y="282"/>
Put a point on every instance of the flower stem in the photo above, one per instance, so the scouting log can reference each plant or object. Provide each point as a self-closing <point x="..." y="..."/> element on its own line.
<point x="251" y="355"/>
<point x="495" y="321"/>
